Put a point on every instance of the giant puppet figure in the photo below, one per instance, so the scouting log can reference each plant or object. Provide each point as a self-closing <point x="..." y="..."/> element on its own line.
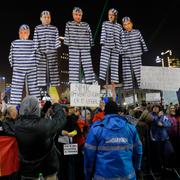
<point x="78" y="38"/>
<point x="22" y="60"/>
<point x="133" y="46"/>
<point x="46" y="40"/>
<point x="110" y="47"/>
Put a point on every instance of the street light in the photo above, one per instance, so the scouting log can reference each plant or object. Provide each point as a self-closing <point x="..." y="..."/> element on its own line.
<point x="170" y="54"/>
<point x="160" y="60"/>
<point x="166" y="52"/>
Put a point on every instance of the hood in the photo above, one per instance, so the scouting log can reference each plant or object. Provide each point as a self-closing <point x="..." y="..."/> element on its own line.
<point x="29" y="106"/>
<point x="114" y="122"/>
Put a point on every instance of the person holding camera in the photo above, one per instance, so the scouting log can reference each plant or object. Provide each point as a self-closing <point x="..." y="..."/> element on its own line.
<point x="35" y="139"/>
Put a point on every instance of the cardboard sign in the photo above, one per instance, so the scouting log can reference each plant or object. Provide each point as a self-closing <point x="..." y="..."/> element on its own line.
<point x="84" y="95"/>
<point x="70" y="149"/>
<point x="152" y="97"/>
<point x="130" y="100"/>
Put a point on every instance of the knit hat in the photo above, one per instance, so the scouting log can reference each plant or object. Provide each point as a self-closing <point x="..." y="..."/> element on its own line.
<point x="111" y="108"/>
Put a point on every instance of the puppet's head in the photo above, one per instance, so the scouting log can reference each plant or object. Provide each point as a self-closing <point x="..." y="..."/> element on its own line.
<point x="45" y="18"/>
<point x="112" y="15"/>
<point x="24" y="32"/>
<point x="127" y="23"/>
<point x="77" y="14"/>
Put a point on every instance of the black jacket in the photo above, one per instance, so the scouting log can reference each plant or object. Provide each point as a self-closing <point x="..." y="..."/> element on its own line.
<point x="7" y="127"/>
<point x="35" y="140"/>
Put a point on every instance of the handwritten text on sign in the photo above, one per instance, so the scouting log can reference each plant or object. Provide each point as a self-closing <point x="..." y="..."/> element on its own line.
<point x="70" y="149"/>
<point x="84" y="95"/>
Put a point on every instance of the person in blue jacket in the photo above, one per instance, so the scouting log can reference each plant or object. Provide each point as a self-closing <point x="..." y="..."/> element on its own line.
<point x="160" y="146"/>
<point x="113" y="149"/>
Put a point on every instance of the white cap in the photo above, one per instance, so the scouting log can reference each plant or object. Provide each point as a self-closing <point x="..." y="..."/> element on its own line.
<point x="24" y="27"/>
<point x="125" y="19"/>
<point x="45" y="13"/>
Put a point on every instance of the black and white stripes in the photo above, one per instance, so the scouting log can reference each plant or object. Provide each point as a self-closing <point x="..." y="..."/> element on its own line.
<point x="133" y="43"/>
<point x="46" y="41"/>
<point x="111" y="45"/>
<point x="24" y="65"/>
<point x="78" y="38"/>
<point x="111" y="35"/>
<point x="22" y="54"/>
<point x="133" y="46"/>
<point x="46" y="38"/>
<point x="37" y="60"/>
<point x="78" y="35"/>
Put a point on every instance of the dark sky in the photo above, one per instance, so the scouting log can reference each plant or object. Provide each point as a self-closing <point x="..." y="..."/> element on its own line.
<point x="158" y="21"/>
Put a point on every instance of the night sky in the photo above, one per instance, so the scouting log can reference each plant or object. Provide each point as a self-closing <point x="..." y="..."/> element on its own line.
<point x="158" y="21"/>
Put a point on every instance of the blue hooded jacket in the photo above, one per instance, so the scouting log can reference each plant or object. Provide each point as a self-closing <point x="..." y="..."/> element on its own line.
<point x="112" y="150"/>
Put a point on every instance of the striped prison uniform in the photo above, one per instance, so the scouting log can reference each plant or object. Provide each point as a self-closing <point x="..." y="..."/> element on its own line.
<point x="133" y="46"/>
<point x="46" y="40"/>
<point x="78" y="38"/>
<point x="110" y="49"/>
<point x="22" y="60"/>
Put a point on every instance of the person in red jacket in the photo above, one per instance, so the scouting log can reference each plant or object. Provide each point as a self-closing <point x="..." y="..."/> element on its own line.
<point x="9" y="161"/>
<point x="99" y="113"/>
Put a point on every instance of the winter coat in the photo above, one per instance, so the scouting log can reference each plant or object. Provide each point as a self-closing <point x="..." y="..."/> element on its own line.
<point x="35" y="139"/>
<point x="112" y="150"/>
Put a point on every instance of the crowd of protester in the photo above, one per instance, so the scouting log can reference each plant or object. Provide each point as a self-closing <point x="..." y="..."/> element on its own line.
<point x="33" y="135"/>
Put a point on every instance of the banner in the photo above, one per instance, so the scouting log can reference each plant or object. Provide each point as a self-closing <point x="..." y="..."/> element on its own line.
<point x="129" y="100"/>
<point x="160" y="78"/>
<point x="84" y="95"/>
<point x="153" y="97"/>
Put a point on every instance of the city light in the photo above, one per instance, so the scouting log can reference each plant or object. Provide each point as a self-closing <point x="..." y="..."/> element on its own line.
<point x="2" y="78"/>
<point x="124" y="103"/>
<point x="160" y="59"/>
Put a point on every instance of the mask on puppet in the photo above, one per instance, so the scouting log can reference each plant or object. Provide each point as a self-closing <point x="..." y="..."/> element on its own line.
<point x="45" y="18"/>
<point x="24" y="32"/>
<point x="127" y="23"/>
<point x="77" y="14"/>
